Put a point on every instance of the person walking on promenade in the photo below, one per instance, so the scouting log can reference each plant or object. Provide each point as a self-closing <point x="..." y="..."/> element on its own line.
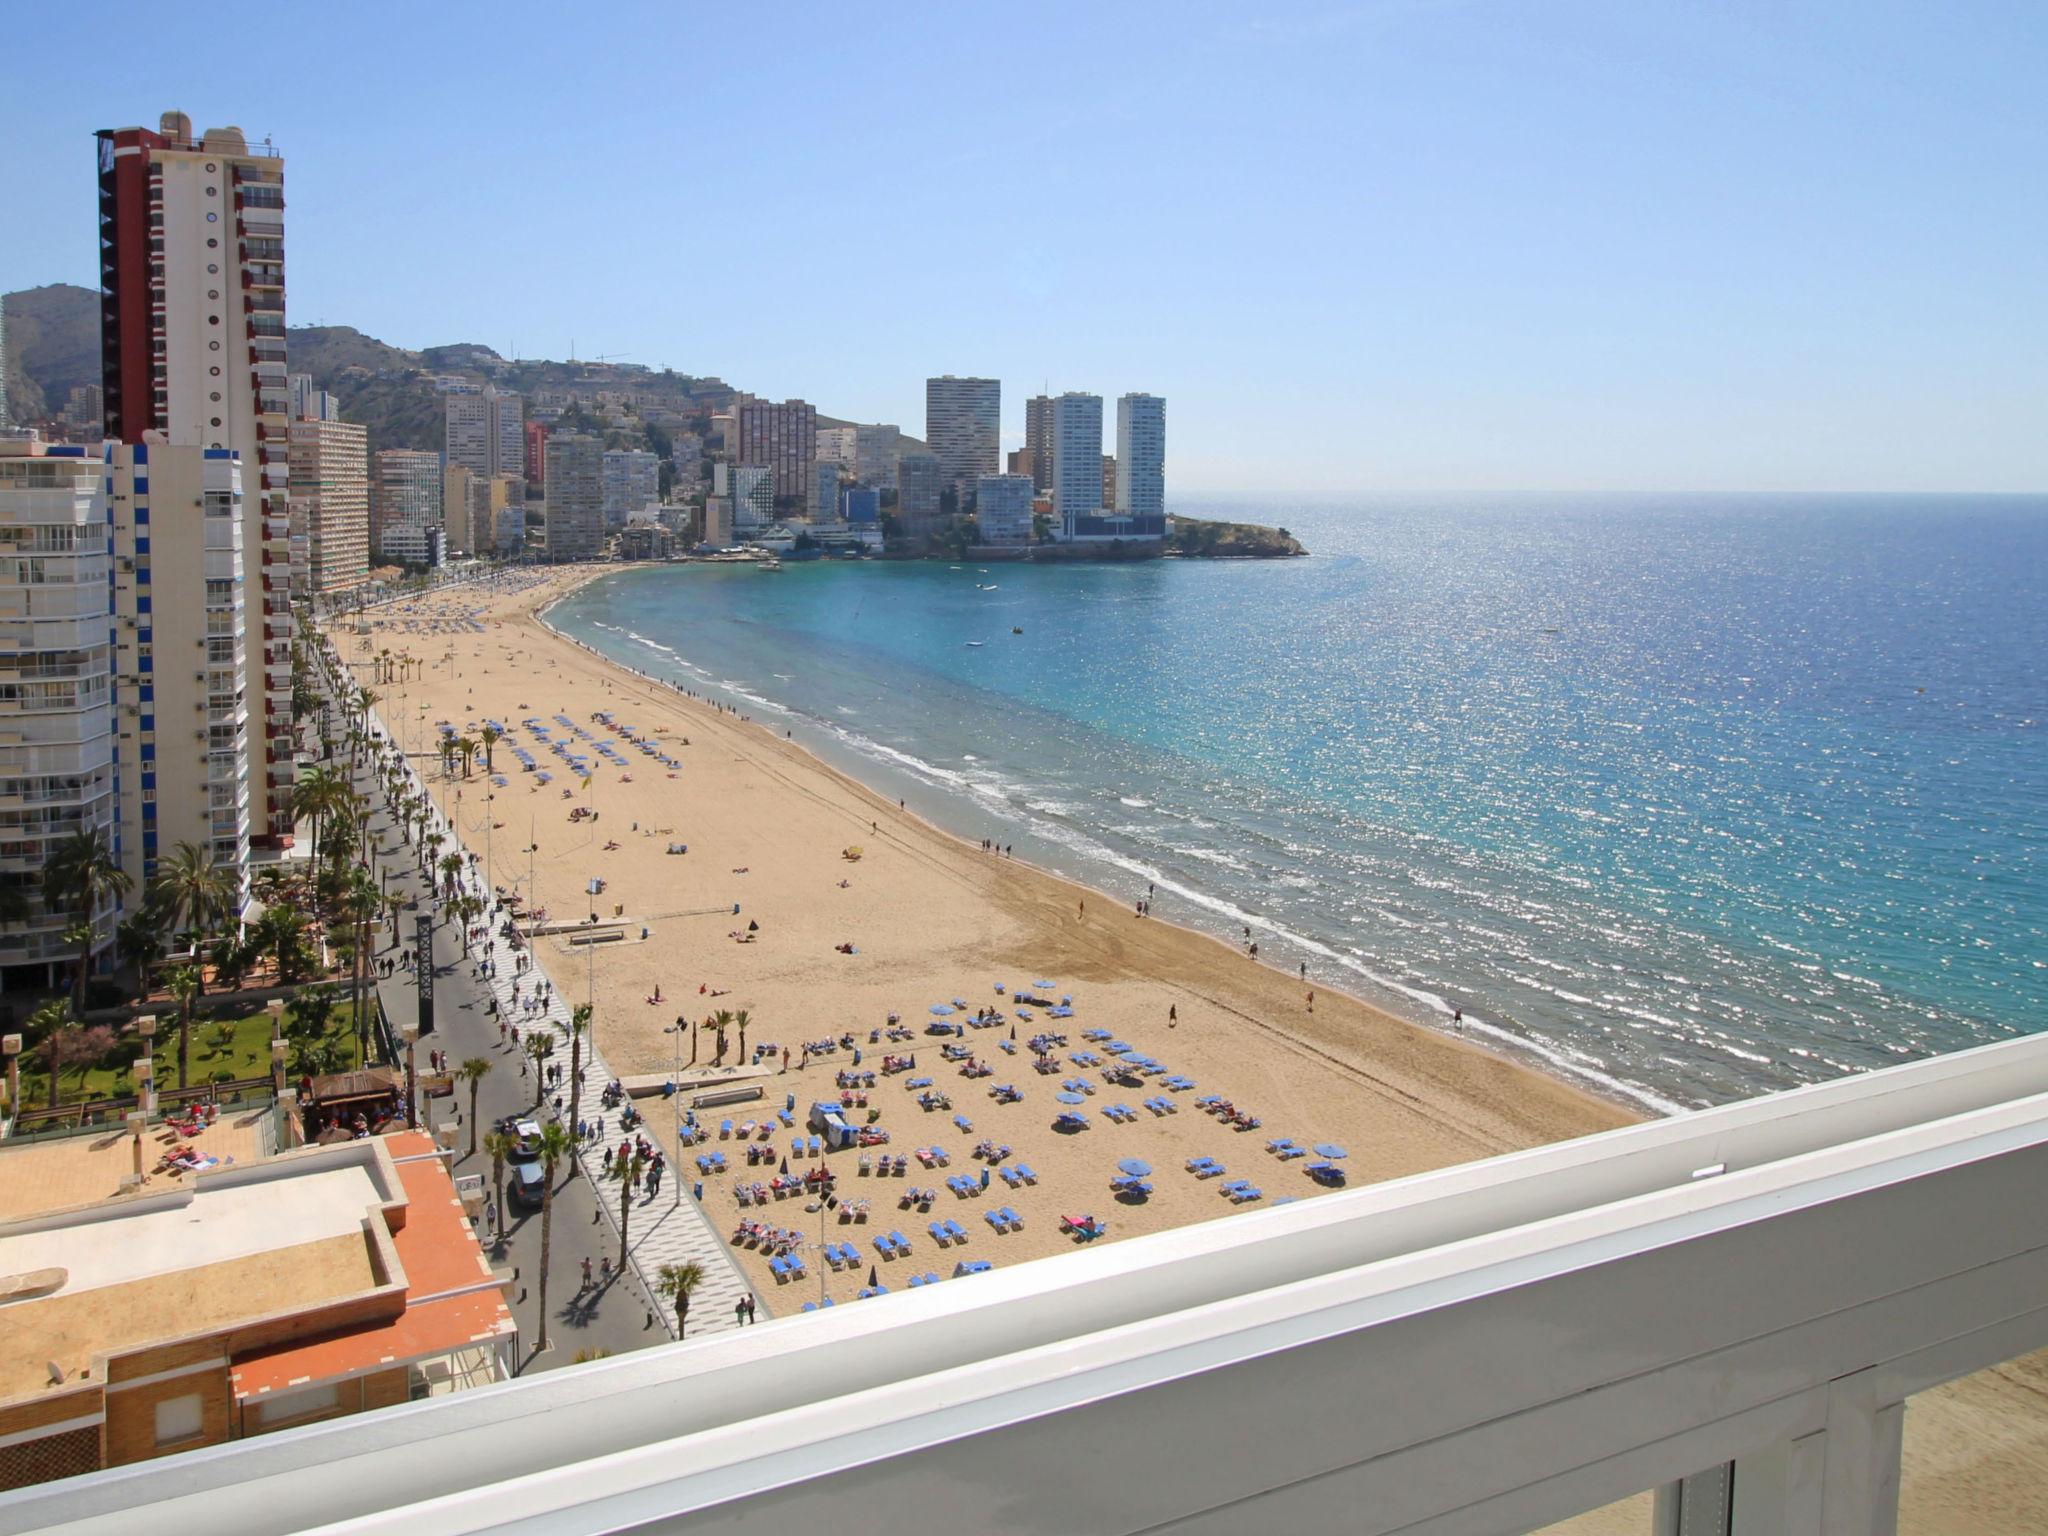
<point x="739" y="1313"/>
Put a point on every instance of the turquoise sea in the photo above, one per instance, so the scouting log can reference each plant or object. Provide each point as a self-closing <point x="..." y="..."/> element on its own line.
<point x="1687" y="796"/>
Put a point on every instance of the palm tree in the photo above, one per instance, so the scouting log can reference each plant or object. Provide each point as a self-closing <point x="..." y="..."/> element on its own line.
<point x="579" y="1021"/>
<point x="676" y="1282"/>
<point x="467" y="747"/>
<point x="281" y="932"/>
<point x="554" y="1146"/>
<point x="360" y="903"/>
<point x="740" y="1022"/>
<point x="718" y="1024"/>
<point x="317" y="795"/>
<point x="82" y="874"/>
<point x="473" y="1072"/>
<point x="627" y="1171"/>
<point x="183" y="984"/>
<point x="538" y="1046"/>
<point x="488" y="737"/>
<point x="194" y="891"/>
<point x="47" y="1023"/>
<point x="498" y="1146"/>
<point x="450" y="866"/>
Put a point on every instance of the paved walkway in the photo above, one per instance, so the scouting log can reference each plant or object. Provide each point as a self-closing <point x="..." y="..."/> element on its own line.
<point x="666" y="1228"/>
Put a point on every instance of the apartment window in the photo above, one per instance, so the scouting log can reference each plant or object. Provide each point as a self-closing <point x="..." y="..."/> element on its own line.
<point x="178" y="1418"/>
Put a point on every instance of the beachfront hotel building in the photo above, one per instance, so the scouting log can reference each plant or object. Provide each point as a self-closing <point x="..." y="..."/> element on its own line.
<point x="483" y="432"/>
<point x="963" y="421"/>
<point x="632" y="483"/>
<point x="185" y="683"/>
<point x="1002" y="509"/>
<point x="1038" y="429"/>
<point x="268" y="1293"/>
<point x="752" y="488"/>
<point x="575" y="496"/>
<point x="1141" y="464"/>
<point x="192" y="339"/>
<point x="919" y="483"/>
<point x="57" y="714"/>
<point x="330" y="504"/>
<point x="780" y="438"/>
<point x="406" y="526"/>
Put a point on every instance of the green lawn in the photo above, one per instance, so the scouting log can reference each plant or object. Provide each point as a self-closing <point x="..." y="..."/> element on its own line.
<point x="222" y="1050"/>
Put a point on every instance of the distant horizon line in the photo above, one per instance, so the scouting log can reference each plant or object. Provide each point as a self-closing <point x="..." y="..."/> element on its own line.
<point x="1338" y="498"/>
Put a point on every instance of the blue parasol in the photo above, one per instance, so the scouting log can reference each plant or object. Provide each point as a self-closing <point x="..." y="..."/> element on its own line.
<point x="1137" y="1168"/>
<point x="1068" y="1098"/>
<point x="1330" y="1149"/>
<point x="941" y="1009"/>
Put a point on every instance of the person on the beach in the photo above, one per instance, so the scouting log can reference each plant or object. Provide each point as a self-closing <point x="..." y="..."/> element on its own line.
<point x="1172" y="1016"/>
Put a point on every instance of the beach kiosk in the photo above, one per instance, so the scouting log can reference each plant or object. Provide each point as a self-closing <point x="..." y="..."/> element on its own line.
<point x="829" y="1121"/>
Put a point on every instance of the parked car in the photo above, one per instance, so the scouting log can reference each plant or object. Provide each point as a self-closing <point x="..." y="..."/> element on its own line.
<point x="525" y="1136"/>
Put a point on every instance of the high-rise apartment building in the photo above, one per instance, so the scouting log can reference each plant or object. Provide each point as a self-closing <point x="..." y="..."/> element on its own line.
<point x="782" y="438"/>
<point x="876" y="448"/>
<point x="718" y="529"/>
<point x="1076" y="456"/>
<point x="918" y="485"/>
<point x="825" y="492"/>
<point x="311" y="403"/>
<point x="1038" y="440"/>
<point x="839" y="445"/>
<point x="406" y="524"/>
<point x="1108" y="482"/>
<point x="575" y="503"/>
<point x="537" y="455"/>
<point x="484" y="434"/>
<point x="963" y="422"/>
<point x="1141" y="464"/>
<point x="1002" y="509"/>
<point x="192" y="339"/>
<point x="753" y="497"/>
<point x="466" y="510"/>
<point x="632" y="483"/>
<point x="57" y="715"/>
<point x="185" y="683"/>
<point x="860" y="504"/>
<point x="330" y="505"/>
<point x="6" y="421"/>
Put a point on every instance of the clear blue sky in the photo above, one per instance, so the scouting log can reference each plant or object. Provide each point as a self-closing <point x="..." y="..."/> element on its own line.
<point x="1393" y="245"/>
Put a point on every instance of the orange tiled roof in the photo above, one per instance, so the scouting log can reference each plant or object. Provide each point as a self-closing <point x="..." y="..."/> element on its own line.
<point x="449" y="1302"/>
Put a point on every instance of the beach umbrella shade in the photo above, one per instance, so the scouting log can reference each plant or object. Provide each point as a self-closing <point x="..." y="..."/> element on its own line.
<point x="871" y="1275"/>
<point x="1013" y="1032"/>
<point x="1330" y="1149"/>
<point x="785" y="1165"/>
<point x="1137" y="1168"/>
<point x="940" y="1010"/>
<point x="1068" y="1098"/>
<point x="1041" y="984"/>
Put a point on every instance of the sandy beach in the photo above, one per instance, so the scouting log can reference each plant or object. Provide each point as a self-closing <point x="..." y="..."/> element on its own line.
<point x="931" y="919"/>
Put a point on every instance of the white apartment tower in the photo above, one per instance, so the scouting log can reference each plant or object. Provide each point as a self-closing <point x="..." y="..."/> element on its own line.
<point x="753" y="498"/>
<point x="963" y="421"/>
<point x="184" y="679"/>
<point x="1002" y="509"/>
<point x="825" y="492"/>
<point x="484" y="434"/>
<point x="1141" y="464"/>
<point x="1076" y="457"/>
<point x="405" y="506"/>
<point x="56" y="690"/>
<point x="192" y="317"/>
<point x="632" y="483"/>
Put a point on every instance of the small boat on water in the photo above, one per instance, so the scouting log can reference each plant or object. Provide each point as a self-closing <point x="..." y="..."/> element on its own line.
<point x="1016" y="629"/>
<point x="771" y="565"/>
<point x="974" y="645"/>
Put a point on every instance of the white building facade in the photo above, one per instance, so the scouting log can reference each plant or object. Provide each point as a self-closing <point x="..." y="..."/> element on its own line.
<point x="963" y="421"/>
<point x="1002" y="509"/>
<point x="57" y="717"/>
<point x="485" y="434"/>
<point x="1141" y="464"/>
<point x="632" y="483"/>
